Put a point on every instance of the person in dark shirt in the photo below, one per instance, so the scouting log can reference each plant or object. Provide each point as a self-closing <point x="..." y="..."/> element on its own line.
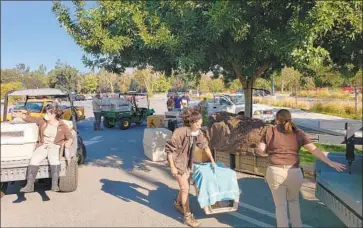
<point x="282" y="143"/>
<point x="177" y="102"/>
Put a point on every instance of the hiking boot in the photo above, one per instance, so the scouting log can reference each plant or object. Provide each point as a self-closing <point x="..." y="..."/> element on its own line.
<point x="178" y="206"/>
<point x="190" y="221"/>
<point x="188" y="216"/>
<point x="54" y="172"/>
<point x="32" y="173"/>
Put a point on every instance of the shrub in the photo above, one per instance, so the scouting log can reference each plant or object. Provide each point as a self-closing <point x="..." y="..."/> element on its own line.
<point x="6" y="87"/>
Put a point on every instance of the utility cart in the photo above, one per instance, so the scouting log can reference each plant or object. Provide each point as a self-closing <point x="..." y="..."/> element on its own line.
<point x="341" y="192"/>
<point x="18" y="141"/>
<point x="127" y="114"/>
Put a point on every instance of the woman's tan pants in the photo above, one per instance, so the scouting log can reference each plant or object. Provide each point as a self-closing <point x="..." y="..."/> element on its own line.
<point x="285" y="184"/>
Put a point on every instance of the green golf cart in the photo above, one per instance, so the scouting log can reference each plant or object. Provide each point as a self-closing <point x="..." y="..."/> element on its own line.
<point x="135" y="115"/>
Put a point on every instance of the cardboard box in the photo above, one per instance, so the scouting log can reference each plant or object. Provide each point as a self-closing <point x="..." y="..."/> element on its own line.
<point x="155" y="121"/>
<point x="200" y="155"/>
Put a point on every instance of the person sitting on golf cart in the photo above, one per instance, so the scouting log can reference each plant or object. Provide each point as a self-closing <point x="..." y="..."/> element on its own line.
<point x="53" y="134"/>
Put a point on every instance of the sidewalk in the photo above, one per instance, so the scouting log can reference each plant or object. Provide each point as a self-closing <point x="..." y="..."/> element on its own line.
<point x="312" y="119"/>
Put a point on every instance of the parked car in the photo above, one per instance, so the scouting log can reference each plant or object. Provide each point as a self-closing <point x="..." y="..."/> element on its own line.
<point x="80" y="97"/>
<point x="261" y="92"/>
<point x="235" y="103"/>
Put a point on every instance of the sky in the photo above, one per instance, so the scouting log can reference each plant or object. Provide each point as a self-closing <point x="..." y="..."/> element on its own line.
<point x="31" y="34"/>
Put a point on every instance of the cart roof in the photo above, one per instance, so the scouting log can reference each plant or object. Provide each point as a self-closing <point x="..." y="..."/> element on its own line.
<point x="38" y="92"/>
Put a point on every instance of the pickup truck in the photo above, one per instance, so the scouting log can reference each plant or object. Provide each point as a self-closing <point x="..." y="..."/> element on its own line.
<point x="37" y="109"/>
<point x="235" y="103"/>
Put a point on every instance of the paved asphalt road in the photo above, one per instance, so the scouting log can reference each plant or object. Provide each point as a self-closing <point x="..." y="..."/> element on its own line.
<point x="118" y="186"/>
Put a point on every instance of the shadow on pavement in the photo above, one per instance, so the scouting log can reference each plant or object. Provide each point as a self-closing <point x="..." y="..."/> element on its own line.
<point x="39" y="187"/>
<point x="255" y="192"/>
<point x="160" y="200"/>
<point x="115" y="148"/>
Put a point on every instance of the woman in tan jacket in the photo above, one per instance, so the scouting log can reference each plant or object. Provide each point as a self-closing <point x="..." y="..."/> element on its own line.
<point x="284" y="177"/>
<point x="53" y="134"/>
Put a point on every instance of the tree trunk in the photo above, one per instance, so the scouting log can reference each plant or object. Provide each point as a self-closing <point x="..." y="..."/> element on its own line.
<point x="248" y="98"/>
<point x="247" y="84"/>
<point x="356" y="97"/>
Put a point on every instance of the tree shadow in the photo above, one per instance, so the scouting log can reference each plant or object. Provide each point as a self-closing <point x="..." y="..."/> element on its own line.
<point x="159" y="200"/>
<point x="115" y="148"/>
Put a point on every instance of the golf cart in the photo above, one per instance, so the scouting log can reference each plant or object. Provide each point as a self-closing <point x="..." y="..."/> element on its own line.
<point x="129" y="113"/>
<point x="18" y="141"/>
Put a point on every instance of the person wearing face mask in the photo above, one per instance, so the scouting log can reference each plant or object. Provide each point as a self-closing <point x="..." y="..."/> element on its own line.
<point x="53" y="134"/>
<point x="180" y="152"/>
<point x="282" y="143"/>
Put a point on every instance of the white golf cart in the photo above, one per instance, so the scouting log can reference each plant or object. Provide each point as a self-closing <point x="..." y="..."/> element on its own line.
<point x="18" y="140"/>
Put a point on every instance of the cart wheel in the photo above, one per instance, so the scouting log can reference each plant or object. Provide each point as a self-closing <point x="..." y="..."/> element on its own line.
<point x="125" y="123"/>
<point x="107" y="124"/>
<point x="3" y="187"/>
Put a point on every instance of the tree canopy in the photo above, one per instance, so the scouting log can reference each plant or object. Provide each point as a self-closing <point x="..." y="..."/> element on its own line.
<point x="236" y="39"/>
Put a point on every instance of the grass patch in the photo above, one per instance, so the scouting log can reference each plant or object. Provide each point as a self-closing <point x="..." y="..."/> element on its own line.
<point x="326" y="93"/>
<point x="309" y="159"/>
<point x="341" y="109"/>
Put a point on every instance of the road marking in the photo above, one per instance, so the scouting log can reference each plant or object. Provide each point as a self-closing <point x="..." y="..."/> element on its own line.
<point x="250" y="220"/>
<point x="261" y="211"/>
<point x="95" y="138"/>
<point x="87" y="143"/>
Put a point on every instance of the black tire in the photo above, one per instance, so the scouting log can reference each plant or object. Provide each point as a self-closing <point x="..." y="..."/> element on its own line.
<point x="69" y="182"/>
<point x="3" y="187"/>
<point x="106" y="123"/>
<point x="125" y="123"/>
<point x="81" y="152"/>
<point x="241" y="113"/>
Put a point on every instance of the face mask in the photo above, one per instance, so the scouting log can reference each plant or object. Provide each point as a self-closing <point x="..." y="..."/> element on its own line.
<point x="46" y="117"/>
<point x="195" y="133"/>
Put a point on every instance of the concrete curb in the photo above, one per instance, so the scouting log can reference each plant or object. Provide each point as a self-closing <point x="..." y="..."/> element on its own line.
<point x="308" y="169"/>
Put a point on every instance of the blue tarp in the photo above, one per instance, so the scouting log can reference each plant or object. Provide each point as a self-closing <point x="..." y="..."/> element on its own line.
<point x="215" y="184"/>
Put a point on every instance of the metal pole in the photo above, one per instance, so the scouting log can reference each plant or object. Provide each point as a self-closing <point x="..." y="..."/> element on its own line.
<point x="251" y="91"/>
<point x="273" y="85"/>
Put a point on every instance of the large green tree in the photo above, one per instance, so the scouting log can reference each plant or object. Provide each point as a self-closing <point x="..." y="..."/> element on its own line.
<point x="63" y="76"/>
<point x="89" y="83"/>
<point x="237" y="39"/>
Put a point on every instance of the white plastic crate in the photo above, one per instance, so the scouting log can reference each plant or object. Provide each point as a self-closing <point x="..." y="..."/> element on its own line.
<point x="154" y="143"/>
<point x="115" y="104"/>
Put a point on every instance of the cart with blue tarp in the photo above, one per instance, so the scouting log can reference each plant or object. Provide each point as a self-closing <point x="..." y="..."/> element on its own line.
<point x="216" y="188"/>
